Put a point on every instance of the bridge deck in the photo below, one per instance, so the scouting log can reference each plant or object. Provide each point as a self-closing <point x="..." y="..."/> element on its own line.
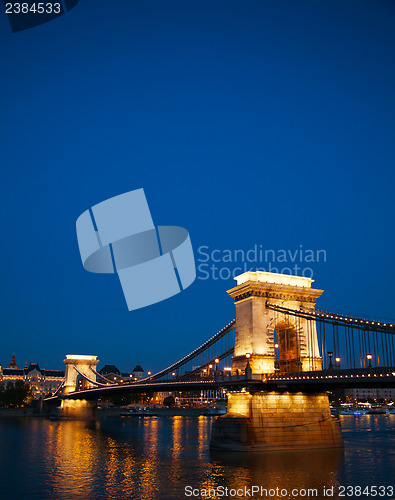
<point x="316" y="381"/>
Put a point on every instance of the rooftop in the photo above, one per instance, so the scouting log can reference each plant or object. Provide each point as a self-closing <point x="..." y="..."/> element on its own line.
<point x="82" y="357"/>
<point x="273" y="278"/>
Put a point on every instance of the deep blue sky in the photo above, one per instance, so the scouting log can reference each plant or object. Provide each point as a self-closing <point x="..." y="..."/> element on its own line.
<point x="246" y="122"/>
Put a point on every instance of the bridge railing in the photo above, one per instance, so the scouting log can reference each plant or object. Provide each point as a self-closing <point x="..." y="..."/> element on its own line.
<point x="334" y="373"/>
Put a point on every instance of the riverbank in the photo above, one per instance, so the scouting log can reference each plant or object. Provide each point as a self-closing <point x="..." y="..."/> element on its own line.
<point x="21" y="412"/>
<point x="105" y="413"/>
<point x="176" y="411"/>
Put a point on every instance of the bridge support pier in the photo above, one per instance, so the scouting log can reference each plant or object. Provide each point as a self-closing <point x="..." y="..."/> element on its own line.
<point x="276" y="421"/>
<point x="76" y="409"/>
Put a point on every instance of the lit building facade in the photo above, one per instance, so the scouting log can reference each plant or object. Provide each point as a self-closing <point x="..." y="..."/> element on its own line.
<point x="41" y="382"/>
<point x="110" y="372"/>
<point x="138" y="373"/>
<point x="360" y="394"/>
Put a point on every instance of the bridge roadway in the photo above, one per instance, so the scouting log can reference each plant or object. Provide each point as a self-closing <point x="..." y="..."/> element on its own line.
<point x="315" y="381"/>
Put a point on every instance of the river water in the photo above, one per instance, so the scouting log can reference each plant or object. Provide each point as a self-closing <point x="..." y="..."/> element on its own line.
<point x="156" y="458"/>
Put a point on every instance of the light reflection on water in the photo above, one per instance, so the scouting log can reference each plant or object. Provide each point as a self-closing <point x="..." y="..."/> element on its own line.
<point x="155" y="458"/>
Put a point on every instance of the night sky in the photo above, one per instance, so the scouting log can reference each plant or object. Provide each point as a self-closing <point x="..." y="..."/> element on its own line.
<point x="268" y="123"/>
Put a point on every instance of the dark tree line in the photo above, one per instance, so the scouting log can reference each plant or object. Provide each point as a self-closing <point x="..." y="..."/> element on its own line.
<point x="127" y="399"/>
<point x="15" y="394"/>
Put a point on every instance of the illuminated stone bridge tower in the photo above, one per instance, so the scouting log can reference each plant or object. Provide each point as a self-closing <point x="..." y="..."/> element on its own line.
<point x="264" y="334"/>
<point x="77" y="408"/>
<point x="85" y="364"/>
<point x="270" y="341"/>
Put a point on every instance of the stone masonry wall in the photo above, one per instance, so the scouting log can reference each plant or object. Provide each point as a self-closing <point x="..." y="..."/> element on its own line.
<point x="276" y="421"/>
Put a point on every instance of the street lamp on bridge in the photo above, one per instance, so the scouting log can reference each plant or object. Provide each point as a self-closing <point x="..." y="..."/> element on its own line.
<point x="337" y="359"/>
<point x="276" y="356"/>
<point x="248" y="370"/>
<point x="330" y="354"/>
<point x="369" y="357"/>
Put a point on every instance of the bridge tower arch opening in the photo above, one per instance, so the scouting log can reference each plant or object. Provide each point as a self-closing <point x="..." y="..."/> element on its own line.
<point x="287" y="345"/>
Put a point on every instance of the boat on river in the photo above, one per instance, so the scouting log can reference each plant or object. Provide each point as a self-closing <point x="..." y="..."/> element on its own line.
<point x="214" y="412"/>
<point x="138" y="412"/>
